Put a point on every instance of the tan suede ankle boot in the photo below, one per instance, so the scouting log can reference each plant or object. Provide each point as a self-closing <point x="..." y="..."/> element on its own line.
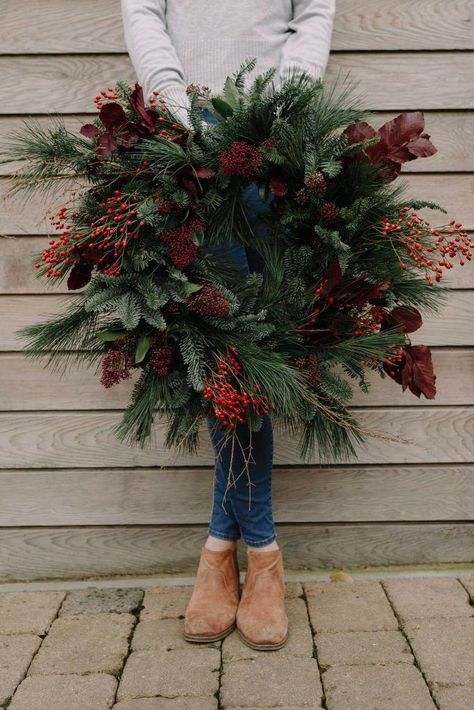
<point x="210" y="614"/>
<point x="261" y="617"/>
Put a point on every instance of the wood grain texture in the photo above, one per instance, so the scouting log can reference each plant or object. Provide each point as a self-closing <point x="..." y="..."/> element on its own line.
<point x="452" y="133"/>
<point x="452" y="326"/>
<point x="388" y="80"/>
<point x="28" y="385"/>
<point x="20" y="215"/>
<point x="184" y="496"/>
<point x="79" y="552"/>
<point x="88" y="26"/>
<point x="422" y="435"/>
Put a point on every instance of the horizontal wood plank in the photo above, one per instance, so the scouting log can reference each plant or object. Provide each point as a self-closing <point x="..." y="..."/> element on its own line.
<point x="452" y="326"/>
<point x="28" y="216"/>
<point x="19" y="277"/>
<point x="452" y="133"/>
<point x="26" y="384"/>
<point x="38" y="553"/>
<point x="170" y="497"/>
<point x="88" y="26"/>
<point x="388" y="80"/>
<point x="418" y="435"/>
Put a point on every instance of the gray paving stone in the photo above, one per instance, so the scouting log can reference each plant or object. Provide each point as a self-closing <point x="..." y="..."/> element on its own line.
<point x="356" y="647"/>
<point x="427" y="598"/>
<point x="300" y="641"/>
<point x="16" y="653"/>
<point x="396" y="686"/>
<point x="191" y="672"/>
<point x="96" y="601"/>
<point x="444" y="649"/>
<point x="84" y="643"/>
<point x="182" y="703"/>
<point x="360" y="606"/>
<point x="458" y="697"/>
<point x="269" y="681"/>
<point x="159" y="635"/>
<point x="293" y="589"/>
<point x="165" y="602"/>
<point x="468" y="584"/>
<point x="67" y="692"/>
<point x="28" y="612"/>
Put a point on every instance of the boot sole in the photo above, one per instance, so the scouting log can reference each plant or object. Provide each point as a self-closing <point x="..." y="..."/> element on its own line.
<point x="263" y="646"/>
<point x="209" y="639"/>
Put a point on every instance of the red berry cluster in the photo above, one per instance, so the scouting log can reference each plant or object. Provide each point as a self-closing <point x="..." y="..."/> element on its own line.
<point x="278" y="186"/>
<point x="209" y="301"/>
<point x="444" y="243"/>
<point x="229" y="401"/>
<point x="329" y="212"/>
<point x="241" y="159"/>
<point x="395" y="359"/>
<point x="108" y="94"/>
<point x="316" y="182"/>
<point x="179" y="242"/>
<point x="113" y="230"/>
<point x="164" y="132"/>
<point x="116" y="363"/>
<point x="161" y="358"/>
<point x="58" y="254"/>
<point x="367" y="318"/>
<point x="309" y="367"/>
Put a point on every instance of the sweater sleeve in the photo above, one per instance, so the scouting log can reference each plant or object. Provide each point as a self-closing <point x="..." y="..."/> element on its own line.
<point x="153" y="55"/>
<point x="309" y="42"/>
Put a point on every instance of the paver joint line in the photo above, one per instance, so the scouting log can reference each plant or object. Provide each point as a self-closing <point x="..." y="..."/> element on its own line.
<point x="362" y="644"/>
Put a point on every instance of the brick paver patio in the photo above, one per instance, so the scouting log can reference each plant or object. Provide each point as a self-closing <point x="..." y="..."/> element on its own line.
<point x="402" y="644"/>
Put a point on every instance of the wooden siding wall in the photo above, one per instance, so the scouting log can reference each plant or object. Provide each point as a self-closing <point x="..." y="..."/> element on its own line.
<point x="75" y="503"/>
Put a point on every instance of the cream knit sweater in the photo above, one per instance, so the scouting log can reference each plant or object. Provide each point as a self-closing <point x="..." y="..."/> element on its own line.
<point x="173" y="43"/>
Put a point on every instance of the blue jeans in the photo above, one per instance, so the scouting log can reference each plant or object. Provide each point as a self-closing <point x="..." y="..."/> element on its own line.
<point x="242" y="505"/>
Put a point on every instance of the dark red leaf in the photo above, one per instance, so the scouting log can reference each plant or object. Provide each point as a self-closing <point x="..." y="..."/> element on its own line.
<point x="423" y="378"/>
<point x="190" y="186"/>
<point x="112" y="115"/>
<point x="422" y="147"/>
<point x="106" y="145"/>
<point x="79" y="276"/>
<point x="89" y="130"/>
<point x="359" y="131"/>
<point x="403" y="128"/>
<point x="409" y="318"/>
<point x="204" y="173"/>
<point x="147" y="117"/>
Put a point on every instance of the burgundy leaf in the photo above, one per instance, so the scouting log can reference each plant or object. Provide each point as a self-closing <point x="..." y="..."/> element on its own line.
<point x="409" y="318"/>
<point x="106" y="145"/>
<point x="359" y="131"/>
<point x="190" y="187"/>
<point x="423" y="378"/>
<point x="422" y="147"/>
<point x="204" y="173"/>
<point x="89" y="130"/>
<point x="403" y="128"/>
<point x="127" y="137"/>
<point x="112" y="115"/>
<point x="147" y="118"/>
<point x="80" y="276"/>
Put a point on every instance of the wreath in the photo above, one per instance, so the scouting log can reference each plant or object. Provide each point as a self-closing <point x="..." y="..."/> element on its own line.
<point x="349" y="264"/>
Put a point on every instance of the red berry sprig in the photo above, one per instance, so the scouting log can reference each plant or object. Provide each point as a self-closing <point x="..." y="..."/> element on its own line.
<point x="230" y="402"/>
<point x="429" y="248"/>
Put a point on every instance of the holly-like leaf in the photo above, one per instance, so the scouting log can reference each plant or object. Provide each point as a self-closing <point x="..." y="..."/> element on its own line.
<point x="231" y="93"/>
<point x="222" y="107"/>
<point x="143" y="346"/>
<point x="111" y="335"/>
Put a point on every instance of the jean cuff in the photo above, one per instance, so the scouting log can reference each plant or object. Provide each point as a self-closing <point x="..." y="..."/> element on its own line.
<point x="260" y="543"/>
<point x="222" y="536"/>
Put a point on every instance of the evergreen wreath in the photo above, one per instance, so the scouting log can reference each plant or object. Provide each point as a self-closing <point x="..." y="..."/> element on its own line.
<point x="349" y="263"/>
